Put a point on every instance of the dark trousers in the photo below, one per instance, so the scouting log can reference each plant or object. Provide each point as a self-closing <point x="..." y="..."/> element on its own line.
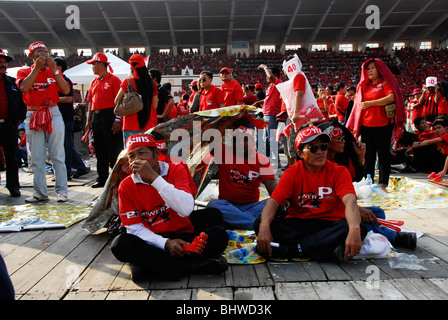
<point x="9" y="141"/>
<point x="130" y="248"/>
<point x="378" y="141"/>
<point x="317" y="238"/>
<point x="6" y="286"/>
<point x="72" y="158"/>
<point x="107" y="144"/>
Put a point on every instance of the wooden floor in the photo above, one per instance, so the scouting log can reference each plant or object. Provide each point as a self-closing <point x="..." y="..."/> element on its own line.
<point x="71" y="264"/>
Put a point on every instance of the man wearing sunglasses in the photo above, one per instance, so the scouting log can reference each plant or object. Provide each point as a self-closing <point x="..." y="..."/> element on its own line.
<point x="323" y="221"/>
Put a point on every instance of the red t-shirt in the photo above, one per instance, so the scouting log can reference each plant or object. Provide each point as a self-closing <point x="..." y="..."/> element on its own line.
<point x="443" y="105"/>
<point x="211" y="99"/>
<point x="43" y="88"/>
<point x="321" y="105"/>
<point x="103" y="91"/>
<point x="250" y="100"/>
<point x="183" y="108"/>
<point x="130" y="122"/>
<point x="240" y="180"/>
<point x="341" y="105"/>
<point x="314" y="195"/>
<point x="299" y="82"/>
<point x="174" y="112"/>
<point x="375" y="116"/>
<point x="233" y="93"/>
<point x="427" y="135"/>
<point x="273" y="101"/>
<point x="142" y="203"/>
<point x="443" y="146"/>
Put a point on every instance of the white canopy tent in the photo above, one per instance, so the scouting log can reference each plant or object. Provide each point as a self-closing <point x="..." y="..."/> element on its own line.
<point x="82" y="74"/>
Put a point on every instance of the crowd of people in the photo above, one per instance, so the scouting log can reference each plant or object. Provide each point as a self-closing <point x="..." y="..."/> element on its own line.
<point x="365" y="121"/>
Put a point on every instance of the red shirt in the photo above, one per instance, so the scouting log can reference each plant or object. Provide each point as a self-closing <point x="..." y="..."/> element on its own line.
<point x="427" y="135"/>
<point x="321" y="105"/>
<point x="314" y="195"/>
<point x="183" y="108"/>
<point x="43" y="88"/>
<point x="142" y="203"/>
<point x="341" y="105"/>
<point x="211" y="99"/>
<point x="273" y="101"/>
<point x="103" y="91"/>
<point x="443" y="146"/>
<point x="375" y="116"/>
<point x="130" y="122"/>
<point x="233" y="93"/>
<point x="443" y="105"/>
<point x="240" y="180"/>
<point x="250" y="100"/>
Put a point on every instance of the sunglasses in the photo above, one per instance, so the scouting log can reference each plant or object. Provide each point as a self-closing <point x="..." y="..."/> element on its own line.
<point x="340" y="139"/>
<point x="315" y="147"/>
<point x="203" y="80"/>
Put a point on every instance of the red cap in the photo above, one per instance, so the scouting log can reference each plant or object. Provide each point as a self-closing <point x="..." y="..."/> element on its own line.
<point x="258" y="86"/>
<point x="336" y="133"/>
<point x="225" y="69"/>
<point x="101" y="57"/>
<point x="136" y="61"/>
<point x="416" y="91"/>
<point x="194" y="83"/>
<point x="3" y="54"/>
<point x="309" y="134"/>
<point x="140" y="140"/>
<point x="36" y="45"/>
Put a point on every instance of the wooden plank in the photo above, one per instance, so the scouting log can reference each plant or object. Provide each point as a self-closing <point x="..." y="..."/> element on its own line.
<point x="256" y="293"/>
<point x="296" y="291"/>
<point x="359" y="269"/>
<point x="244" y="276"/>
<point x="442" y="283"/>
<point x="381" y="290"/>
<point x="288" y="272"/>
<point x="336" y="291"/>
<point x="66" y="274"/>
<point x="128" y="295"/>
<point x="123" y="281"/>
<point x="334" y="272"/>
<point x="183" y="294"/>
<point x="168" y="284"/>
<point x="408" y="289"/>
<point x="263" y="274"/>
<point x="34" y="270"/>
<point x="314" y="270"/>
<point x="434" y="246"/>
<point x="429" y="289"/>
<point x="101" y="273"/>
<point x="86" y="295"/>
<point x="212" y="294"/>
<point x="207" y="281"/>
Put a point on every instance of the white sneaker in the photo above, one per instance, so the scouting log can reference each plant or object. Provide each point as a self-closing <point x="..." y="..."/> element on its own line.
<point x="35" y="198"/>
<point x="62" y="197"/>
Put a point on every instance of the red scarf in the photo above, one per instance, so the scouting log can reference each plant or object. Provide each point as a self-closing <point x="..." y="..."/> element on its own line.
<point x="355" y="119"/>
<point x="42" y="117"/>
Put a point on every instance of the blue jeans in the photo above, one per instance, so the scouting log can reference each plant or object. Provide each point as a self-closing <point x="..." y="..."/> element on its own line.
<point x="378" y="228"/>
<point x="39" y="141"/>
<point x="238" y="215"/>
<point x="270" y="139"/>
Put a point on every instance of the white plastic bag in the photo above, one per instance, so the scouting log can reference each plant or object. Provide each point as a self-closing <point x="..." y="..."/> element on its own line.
<point x="310" y="111"/>
<point x="374" y="245"/>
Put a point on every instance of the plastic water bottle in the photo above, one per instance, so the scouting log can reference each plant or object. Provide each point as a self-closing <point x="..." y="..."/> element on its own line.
<point x="369" y="181"/>
<point x="237" y="255"/>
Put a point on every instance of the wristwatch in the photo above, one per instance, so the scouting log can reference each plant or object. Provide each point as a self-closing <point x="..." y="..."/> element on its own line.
<point x="57" y="72"/>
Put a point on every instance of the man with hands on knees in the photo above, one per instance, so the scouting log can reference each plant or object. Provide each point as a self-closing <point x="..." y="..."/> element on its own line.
<point x="156" y="208"/>
<point x="323" y="221"/>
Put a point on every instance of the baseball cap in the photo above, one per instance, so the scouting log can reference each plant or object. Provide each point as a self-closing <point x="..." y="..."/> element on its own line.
<point x="3" y="54"/>
<point x="309" y="134"/>
<point x="225" y="69"/>
<point x="258" y="86"/>
<point x="35" y="45"/>
<point x="431" y="81"/>
<point x="140" y="140"/>
<point x="101" y="57"/>
<point x="416" y="91"/>
<point x="136" y="61"/>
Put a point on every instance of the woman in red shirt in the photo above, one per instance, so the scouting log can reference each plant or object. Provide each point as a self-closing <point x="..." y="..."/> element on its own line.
<point x="377" y="89"/>
<point x="140" y="80"/>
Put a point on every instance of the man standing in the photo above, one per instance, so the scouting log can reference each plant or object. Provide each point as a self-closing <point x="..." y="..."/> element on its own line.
<point x="12" y="112"/>
<point x="106" y="127"/>
<point x="164" y="96"/>
<point x="65" y="104"/>
<point x="233" y="93"/>
<point x="211" y="97"/>
<point x="41" y="84"/>
<point x="271" y="107"/>
<point x="428" y="104"/>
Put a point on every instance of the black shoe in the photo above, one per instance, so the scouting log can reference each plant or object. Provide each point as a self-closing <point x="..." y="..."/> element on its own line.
<point x="208" y="265"/>
<point x="98" y="185"/>
<point x="77" y="174"/>
<point x="14" y="193"/>
<point x="138" y="274"/>
<point x="338" y="254"/>
<point x="406" y="240"/>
